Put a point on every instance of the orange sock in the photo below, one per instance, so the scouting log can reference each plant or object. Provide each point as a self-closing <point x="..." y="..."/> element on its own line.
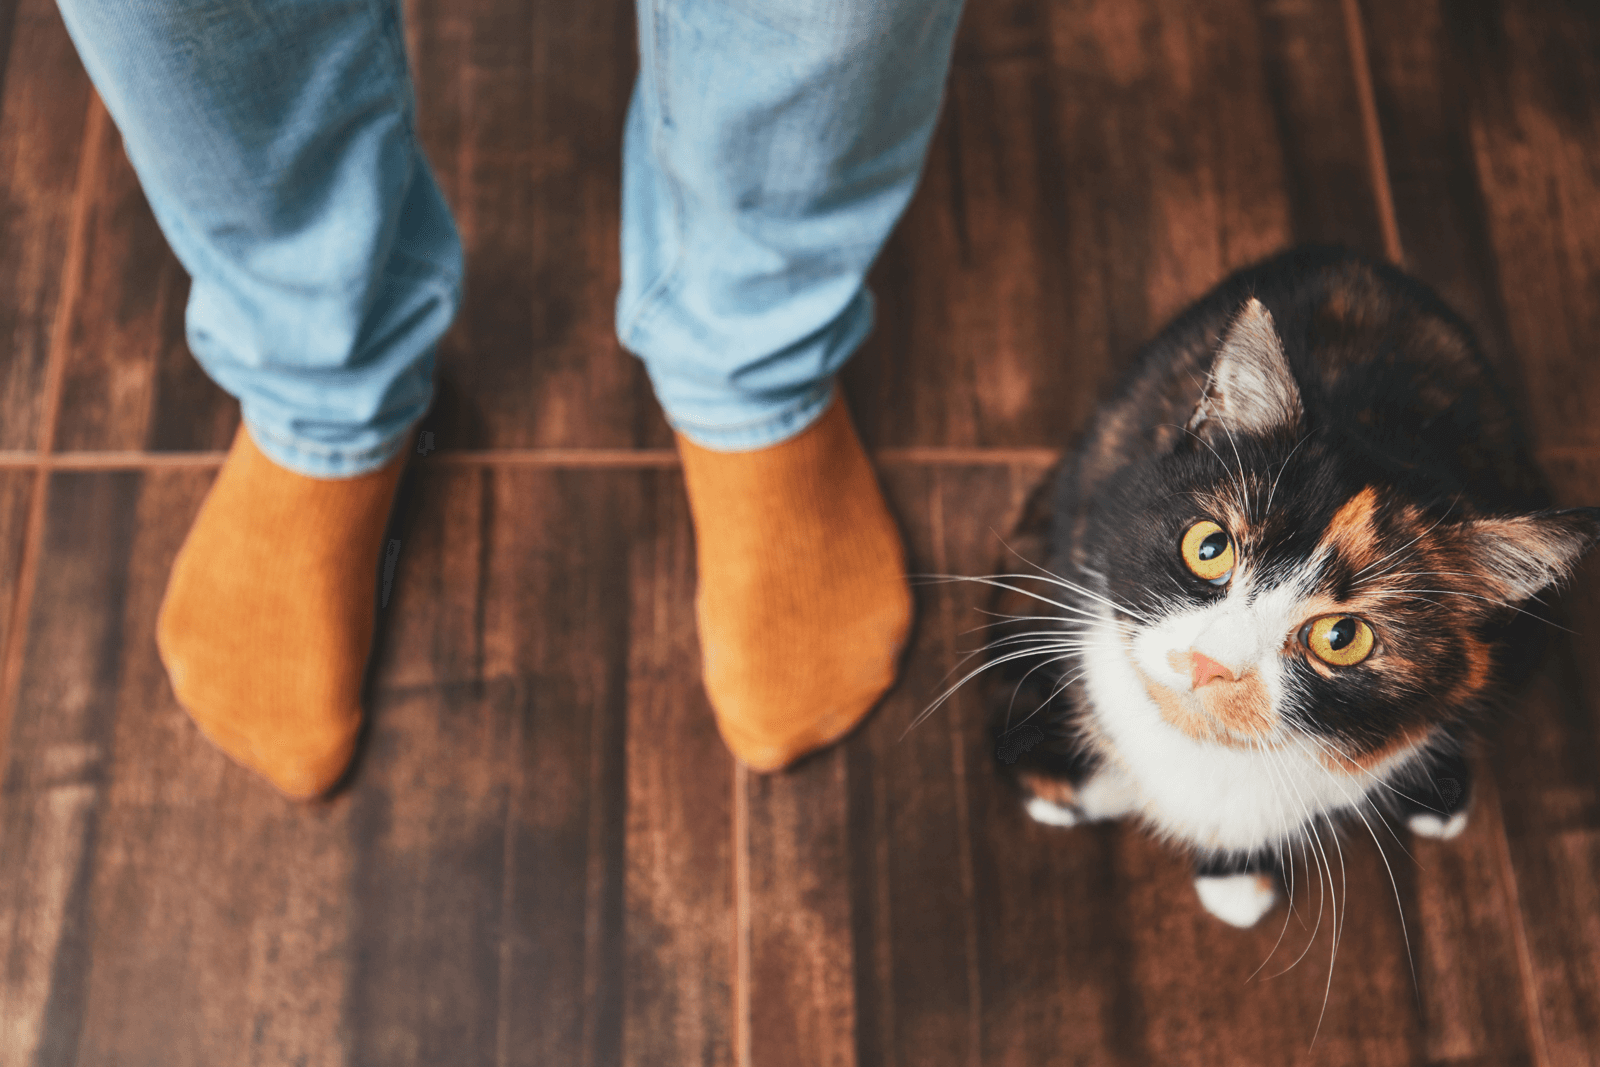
<point x="803" y="604"/>
<point x="268" y="616"/>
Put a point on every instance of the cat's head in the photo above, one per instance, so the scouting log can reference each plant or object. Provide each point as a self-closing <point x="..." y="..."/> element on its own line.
<point x="1273" y="575"/>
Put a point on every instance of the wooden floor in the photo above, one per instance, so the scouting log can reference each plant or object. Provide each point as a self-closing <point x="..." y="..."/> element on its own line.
<point x="547" y="856"/>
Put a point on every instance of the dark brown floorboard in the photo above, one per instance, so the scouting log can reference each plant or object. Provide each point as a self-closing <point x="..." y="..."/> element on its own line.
<point x="545" y="854"/>
<point x="44" y="99"/>
<point x="520" y="108"/>
<point x="129" y="381"/>
<point x="1491" y="126"/>
<point x="1506" y="97"/>
<point x="1099" y="165"/>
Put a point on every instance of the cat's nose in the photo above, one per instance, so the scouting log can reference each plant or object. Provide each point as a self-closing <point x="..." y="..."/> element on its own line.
<point x="1207" y="669"/>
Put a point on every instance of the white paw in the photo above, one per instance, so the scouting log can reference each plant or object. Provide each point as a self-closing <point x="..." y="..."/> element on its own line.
<point x="1430" y="825"/>
<point x="1237" y="899"/>
<point x="1052" y="814"/>
<point x="1110" y="794"/>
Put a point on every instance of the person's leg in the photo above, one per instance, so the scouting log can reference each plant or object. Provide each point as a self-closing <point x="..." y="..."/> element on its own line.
<point x="770" y="147"/>
<point x="275" y="145"/>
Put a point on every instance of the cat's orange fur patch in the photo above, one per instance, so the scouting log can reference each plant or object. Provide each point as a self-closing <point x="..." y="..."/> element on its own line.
<point x="1054" y="790"/>
<point x="1351" y="532"/>
<point x="1222" y="712"/>
<point x="1368" y="762"/>
<point x="1478" y="658"/>
<point x="1243" y="707"/>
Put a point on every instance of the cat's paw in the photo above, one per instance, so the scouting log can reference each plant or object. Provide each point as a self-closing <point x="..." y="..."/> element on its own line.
<point x="1237" y="899"/>
<point x="1053" y="814"/>
<point x="1427" y="824"/>
<point x="1110" y="794"/>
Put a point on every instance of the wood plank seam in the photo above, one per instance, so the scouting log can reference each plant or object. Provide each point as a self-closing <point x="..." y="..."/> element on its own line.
<point x="508" y="846"/>
<point x="1376" y="160"/>
<point x="54" y="376"/>
<point x="601" y="458"/>
<point x="605" y="458"/>
<point x="1508" y="878"/>
<point x="958" y="771"/>
<point x="742" y="992"/>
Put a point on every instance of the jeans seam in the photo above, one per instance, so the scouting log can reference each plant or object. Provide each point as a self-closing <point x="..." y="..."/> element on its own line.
<point x="289" y="444"/>
<point x="822" y="389"/>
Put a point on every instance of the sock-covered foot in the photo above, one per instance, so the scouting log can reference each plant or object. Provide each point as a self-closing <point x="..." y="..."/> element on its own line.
<point x="268" y="616"/>
<point x="803" y="604"/>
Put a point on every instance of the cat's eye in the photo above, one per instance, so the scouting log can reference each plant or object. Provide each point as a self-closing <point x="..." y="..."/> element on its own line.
<point x="1208" y="552"/>
<point x="1340" y="640"/>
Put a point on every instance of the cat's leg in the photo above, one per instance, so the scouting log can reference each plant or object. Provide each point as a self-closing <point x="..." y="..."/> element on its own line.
<point x="1238" y="888"/>
<point x="1083" y="790"/>
<point x="1436" y="800"/>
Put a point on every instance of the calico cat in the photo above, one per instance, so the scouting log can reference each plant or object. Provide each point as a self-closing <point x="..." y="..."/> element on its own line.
<point x="1284" y="579"/>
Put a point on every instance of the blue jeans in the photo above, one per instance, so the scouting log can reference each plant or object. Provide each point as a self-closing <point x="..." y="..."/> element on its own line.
<point x="770" y="146"/>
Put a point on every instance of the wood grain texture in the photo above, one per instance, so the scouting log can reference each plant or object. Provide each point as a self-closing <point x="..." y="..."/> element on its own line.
<point x="1551" y="801"/>
<point x="43" y="106"/>
<point x="16" y="492"/>
<point x="546" y="855"/>
<point x="800" y="974"/>
<point x="679" y="986"/>
<point x="1534" y="132"/>
<point x="520" y="109"/>
<point x="473" y="869"/>
<point x="918" y="977"/>
<point x="1490" y="127"/>
<point x="128" y="378"/>
<point x="1423" y="87"/>
<point x="1100" y="164"/>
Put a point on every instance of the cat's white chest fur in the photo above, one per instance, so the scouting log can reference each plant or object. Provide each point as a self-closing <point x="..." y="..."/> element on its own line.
<point x="1207" y="794"/>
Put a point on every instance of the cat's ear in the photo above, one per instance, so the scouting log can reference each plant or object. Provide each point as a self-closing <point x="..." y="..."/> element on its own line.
<point x="1251" y="387"/>
<point x="1523" y="555"/>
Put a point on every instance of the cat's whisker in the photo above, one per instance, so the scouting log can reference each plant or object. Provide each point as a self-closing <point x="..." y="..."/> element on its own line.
<point x="1017" y="638"/>
<point x="1333" y="899"/>
<point x="1042" y="570"/>
<point x="1325" y="894"/>
<point x="1399" y="907"/>
<point x="1237" y="487"/>
<point x="991" y="579"/>
<point x="1057" y="691"/>
<point x="1074" y="587"/>
<point x="1075" y="634"/>
<point x="1082" y="627"/>
<point x="1314" y="856"/>
<point x="1474" y="596"/>
<point x="1077" y="648"/>
<point x="1007" y="658"/>
<point x="1281" y="774"/>
<point x="1345" y="758"/>
<point x="1285" y="849"/>
<point x="1013" y="703"/>
<point x="938" y="579"/>
<point x="1244" y="482"/>
<point x="1338" y="926"/>
<point x="1062" y="652"/>
<point x="1289" y="910"/>
<point x="1002" y="618"/>
<point x="1357" y="576"/>
<point x="1273" y="491"/>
